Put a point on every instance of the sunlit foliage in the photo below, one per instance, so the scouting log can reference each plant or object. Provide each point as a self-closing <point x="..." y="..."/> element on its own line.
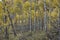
<point x="29" y="14"/>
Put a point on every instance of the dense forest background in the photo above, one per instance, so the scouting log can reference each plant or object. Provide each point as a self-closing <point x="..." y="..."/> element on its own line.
<point x="30" y="20"/>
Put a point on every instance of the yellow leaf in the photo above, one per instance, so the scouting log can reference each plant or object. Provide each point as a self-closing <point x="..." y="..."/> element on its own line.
<point x="26" y="4"/>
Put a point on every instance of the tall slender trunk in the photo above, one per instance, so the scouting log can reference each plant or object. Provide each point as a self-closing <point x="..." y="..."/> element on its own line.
<point x="5" y="20"/>
<point x="11" y="23"/>
<point x="6" y="34"/>
<point x="30" y="21"/>
<point x="45" y="16"/>
<point x="6" y="9"/>
<point x="21" y="11"/>
<point x="35" y="16"/>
